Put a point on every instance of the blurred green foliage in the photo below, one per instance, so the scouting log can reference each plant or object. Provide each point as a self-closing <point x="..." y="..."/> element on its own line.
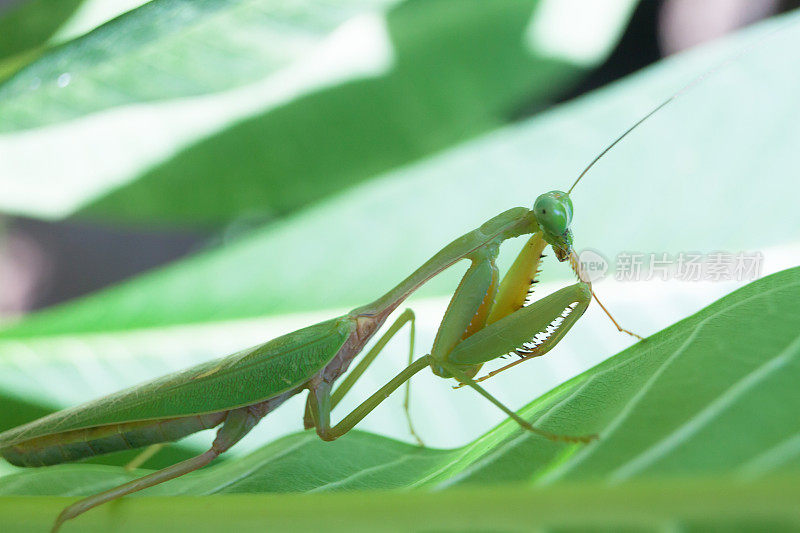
<point x="280" y="125"/>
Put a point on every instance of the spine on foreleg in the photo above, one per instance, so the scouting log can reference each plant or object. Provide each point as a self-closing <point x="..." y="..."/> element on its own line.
<point x="88" y="442"/>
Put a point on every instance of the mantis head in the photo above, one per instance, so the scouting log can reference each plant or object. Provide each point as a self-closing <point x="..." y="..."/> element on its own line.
<point x="553" y="212"/>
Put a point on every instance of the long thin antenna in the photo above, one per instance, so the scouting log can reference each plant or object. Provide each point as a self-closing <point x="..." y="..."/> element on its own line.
<point x="680" y="92"/>
<point x="618" y="139"/>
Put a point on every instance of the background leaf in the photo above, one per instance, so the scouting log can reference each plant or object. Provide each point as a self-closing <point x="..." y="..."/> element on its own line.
<point x="349" y="250"/>
<point x="166" y="114"/>
<point x="33" y="27"/>
<point x="27" y="27"/>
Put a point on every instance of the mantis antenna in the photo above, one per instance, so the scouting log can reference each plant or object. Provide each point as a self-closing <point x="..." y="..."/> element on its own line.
<point x="618" y="139"/>
<point x="674" y="97"/>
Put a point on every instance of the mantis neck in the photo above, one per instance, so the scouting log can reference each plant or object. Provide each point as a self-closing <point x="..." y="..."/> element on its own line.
<point x="512" y="223"/>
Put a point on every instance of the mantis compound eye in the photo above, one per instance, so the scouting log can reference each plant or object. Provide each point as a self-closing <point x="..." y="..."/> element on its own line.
<point x="553" y="211"/>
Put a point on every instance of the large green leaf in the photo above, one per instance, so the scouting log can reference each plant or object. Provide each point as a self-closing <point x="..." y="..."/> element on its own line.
<point x="680" y="183"/>
<point x="200" y="112"/>
<point x="711" y="397"/>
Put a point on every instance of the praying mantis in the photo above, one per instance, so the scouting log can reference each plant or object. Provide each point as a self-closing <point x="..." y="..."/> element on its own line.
<point x="487" y="318"/>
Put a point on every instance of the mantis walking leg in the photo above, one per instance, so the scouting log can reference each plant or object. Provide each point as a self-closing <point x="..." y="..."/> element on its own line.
<point x="463" y="378"/>
<point x="407" y="394"/>
<point x="237" y="424"/>
<point x="143" y="456"/>
<point x="319" y="399"/>
<point x="347" y="383"/>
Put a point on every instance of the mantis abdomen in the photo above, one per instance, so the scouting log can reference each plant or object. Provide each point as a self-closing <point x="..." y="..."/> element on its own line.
<point x="88" y="442"/>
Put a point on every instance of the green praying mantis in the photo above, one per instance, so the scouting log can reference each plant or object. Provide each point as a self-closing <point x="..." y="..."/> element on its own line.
<point x="486" y="318"/>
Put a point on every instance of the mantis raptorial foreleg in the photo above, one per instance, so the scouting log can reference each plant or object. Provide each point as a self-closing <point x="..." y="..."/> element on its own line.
<point x="347" y="383"/>
<point x="237" y="424"/>
<point x="518" y="281"/>
<point x="470" y="305"/>
<point x="512" y="294"/>
<point x="549" y="319"/>
<point x="575" y="297"/>
<point x="537" y="327"/>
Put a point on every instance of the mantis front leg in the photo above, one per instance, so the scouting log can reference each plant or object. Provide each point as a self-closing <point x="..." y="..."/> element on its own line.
<point x="536" y="328"/>
<point x="483" y="322"/>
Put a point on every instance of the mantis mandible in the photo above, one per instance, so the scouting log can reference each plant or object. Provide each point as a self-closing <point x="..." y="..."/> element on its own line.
<point x="487" y="318"/>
